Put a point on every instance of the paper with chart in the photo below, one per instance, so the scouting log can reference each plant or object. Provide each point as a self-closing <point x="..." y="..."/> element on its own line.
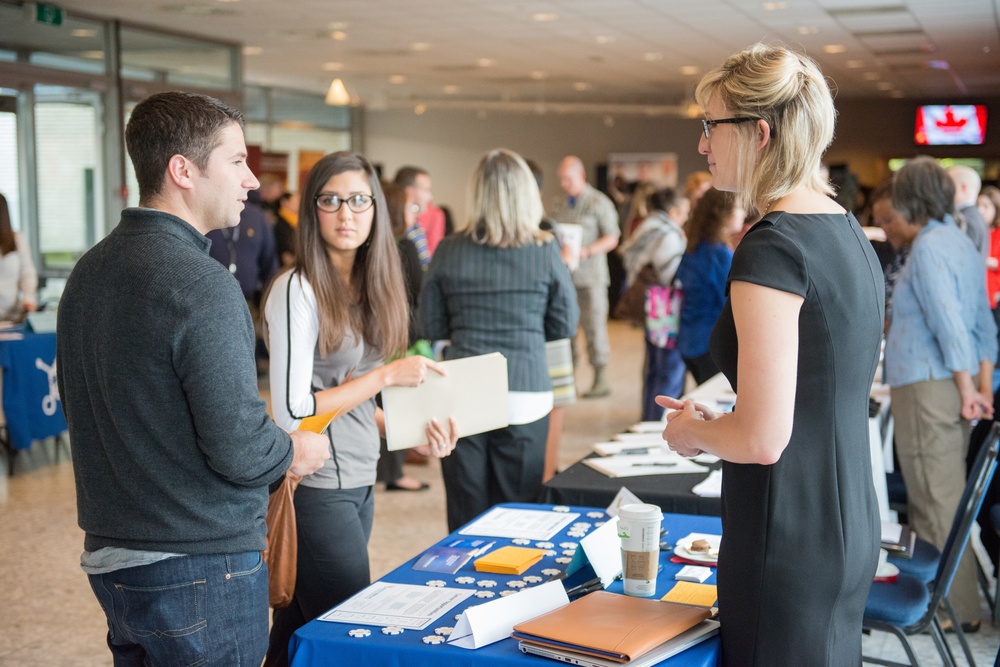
<point x="403" y="605"/>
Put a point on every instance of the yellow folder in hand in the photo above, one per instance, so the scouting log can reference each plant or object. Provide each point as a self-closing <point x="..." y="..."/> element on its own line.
<point x="508" y="560"/>
<point x="318" y="423"/>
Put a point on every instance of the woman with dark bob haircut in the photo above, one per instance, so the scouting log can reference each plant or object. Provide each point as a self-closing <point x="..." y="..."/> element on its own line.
<point x="332" y="320"/>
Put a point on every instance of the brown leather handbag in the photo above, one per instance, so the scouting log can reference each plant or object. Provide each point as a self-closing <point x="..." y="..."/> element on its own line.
<point x="282" y="550"/>
<point x="631" y="306"/>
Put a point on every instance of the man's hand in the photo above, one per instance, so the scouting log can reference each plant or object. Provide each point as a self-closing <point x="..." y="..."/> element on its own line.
<point x="311" y="450"/>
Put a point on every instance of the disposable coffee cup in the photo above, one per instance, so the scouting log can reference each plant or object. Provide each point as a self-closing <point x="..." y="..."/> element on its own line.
<point x="639" y="530"/>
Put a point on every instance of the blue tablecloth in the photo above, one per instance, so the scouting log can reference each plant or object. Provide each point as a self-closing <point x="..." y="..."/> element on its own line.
<point x="320" y="643"/>
<point x="31" y="402"/>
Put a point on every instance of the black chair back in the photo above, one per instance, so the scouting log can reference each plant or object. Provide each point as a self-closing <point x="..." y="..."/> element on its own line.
<point x="968" y="508"/>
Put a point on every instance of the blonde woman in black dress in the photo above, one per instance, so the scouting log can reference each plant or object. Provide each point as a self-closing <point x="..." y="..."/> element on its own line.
<point x="798" y="339"/>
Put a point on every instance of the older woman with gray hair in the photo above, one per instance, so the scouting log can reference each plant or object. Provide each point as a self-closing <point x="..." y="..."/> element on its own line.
<point x="939" y="357"/>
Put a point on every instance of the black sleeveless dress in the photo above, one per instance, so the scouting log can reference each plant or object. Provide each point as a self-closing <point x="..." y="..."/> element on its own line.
<point x="800" y="537"/>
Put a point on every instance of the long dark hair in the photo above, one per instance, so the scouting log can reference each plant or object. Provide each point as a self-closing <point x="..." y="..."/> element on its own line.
<point x="7" y="244"/>
<point x="709" y="218"/>
<point x="380" y="313"/>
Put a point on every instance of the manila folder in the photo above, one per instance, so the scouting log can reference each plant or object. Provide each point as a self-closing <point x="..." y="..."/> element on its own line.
<point x="474" y="392"/>
<point x="612" y="626"/>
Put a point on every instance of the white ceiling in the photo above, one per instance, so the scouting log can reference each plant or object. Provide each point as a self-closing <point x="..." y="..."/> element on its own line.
<point x="593" y="55"/>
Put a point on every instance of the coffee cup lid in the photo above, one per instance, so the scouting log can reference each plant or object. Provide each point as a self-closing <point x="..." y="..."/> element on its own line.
<point x="640" y="512"/>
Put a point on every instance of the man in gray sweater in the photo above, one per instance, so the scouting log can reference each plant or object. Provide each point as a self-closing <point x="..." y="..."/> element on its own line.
<point x="173" y="450"/>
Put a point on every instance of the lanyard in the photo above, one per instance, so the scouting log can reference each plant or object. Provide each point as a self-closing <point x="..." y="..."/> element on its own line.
<point x="231" y="239"/>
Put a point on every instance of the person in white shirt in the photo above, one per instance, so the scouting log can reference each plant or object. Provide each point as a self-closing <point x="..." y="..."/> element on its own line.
<point x="18" y="278"/>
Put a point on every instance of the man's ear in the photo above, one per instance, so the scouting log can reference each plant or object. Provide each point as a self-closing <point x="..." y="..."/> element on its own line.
<point x="181" y="171"/>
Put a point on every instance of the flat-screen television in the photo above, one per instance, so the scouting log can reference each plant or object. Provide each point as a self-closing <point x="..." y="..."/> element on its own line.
<point x="950" y="125"/>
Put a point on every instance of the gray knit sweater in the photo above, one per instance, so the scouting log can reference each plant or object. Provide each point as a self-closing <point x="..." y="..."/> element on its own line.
<point x="172" y="446"/>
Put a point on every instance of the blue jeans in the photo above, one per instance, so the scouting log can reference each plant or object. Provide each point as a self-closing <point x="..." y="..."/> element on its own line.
<point x="189" y="610"/>
<point x="663" y="375"/>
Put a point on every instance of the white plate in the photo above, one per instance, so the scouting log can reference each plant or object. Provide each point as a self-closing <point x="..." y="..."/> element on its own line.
<point x="887" y="570"/>
<point x="696" y="556"/>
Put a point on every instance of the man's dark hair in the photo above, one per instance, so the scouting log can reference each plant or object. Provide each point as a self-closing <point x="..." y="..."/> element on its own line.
<point x="663" y="199"/>
<point x="174" y="123"/>
<point x="407" y="175"/>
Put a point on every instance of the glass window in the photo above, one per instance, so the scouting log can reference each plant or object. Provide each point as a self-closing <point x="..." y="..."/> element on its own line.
<point x="154" y="56"/>
<point x="296" y="107"/>
<point x="76" y="45"/>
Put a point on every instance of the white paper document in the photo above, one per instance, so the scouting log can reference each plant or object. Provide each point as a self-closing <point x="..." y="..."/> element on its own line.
<point x="622" y="498"/>
<point x="514" y="523"/>
<point x="474" y="392"/>
<point x="711" y="486"/>
<point x="648" y="427"/>
<point x="404" y="605"/>
<point x="602" y="549"/>
<point x="640" y="438"/>
<point x="490" y="622"/>
<point x="643" y="464"/>
<point x="628" y="448"/>
<point x="891" y="532"/>
<point x="571" y="238"/>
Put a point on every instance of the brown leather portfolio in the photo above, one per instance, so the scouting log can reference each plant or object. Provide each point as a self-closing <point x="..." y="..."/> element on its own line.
<point x="612" y="626"/>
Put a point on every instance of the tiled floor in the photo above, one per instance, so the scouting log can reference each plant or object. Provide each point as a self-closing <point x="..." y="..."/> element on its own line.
<point x="49" y="616"/>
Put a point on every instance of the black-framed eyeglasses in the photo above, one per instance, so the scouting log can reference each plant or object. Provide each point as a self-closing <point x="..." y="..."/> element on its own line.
<point x="707" y="124"/>
<point x="332" y="203"/>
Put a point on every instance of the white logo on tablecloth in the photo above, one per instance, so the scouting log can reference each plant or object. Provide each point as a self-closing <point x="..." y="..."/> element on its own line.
<point x="49" y="402"/>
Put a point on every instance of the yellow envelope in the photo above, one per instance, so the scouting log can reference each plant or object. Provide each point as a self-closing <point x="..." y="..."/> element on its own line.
<point x="318" y="423"/>
<point x="686" y="592"/>
<point x="509" y="560"/>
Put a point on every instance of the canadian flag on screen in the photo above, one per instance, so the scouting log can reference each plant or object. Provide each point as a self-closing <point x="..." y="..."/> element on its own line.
<point x="950" y="124"/>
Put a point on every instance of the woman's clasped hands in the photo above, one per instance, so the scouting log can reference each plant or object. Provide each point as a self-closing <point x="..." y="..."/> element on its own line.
<point x="678" y="434"/>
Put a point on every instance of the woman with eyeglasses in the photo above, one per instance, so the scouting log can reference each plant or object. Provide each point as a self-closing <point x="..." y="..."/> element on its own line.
<point x="500" y="286"/>
<point x="332" y="320"/>
<point x="799" y="339"/>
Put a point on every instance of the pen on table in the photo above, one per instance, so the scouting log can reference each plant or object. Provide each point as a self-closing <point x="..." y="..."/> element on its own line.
<point x="483" y="549"/>
<point x="635" y="450"/>
<point x="586" y="587"/>
<point x="661" y="465"/>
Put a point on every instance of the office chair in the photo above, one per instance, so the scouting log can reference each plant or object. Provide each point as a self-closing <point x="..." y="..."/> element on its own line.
<point x="909" y="606"/>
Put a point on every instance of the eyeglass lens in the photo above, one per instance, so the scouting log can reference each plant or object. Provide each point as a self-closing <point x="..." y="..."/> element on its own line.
<point x="332" y="203"/>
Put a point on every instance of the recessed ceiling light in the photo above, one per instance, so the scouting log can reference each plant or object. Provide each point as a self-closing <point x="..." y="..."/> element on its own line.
<point x="338" y="35"/>
<point x="450" y="89"/>
<point x="986" y="49"/>
<point x="772" y="6"/>
<point x="333" y="67"/>
<point x="834" y="48"/>
<point x="605" y="39"/>
<point x="652" y="57"/>
<point x="252" y="50"/>
<point x="855" y="64"/>
<point x="538" y="76"/>
<point x="544" y="17"/>
<point x="690" y="70"/>
<point x="420" y="109"/>
<point x="897" y="94"/>
<point x="83" y="32"/>
<point x="807" y="30"/>
<point x="938" y="64"/>
<point x="581" y="86"/>
<point x="884" y="85"/>
<point x="486" y="62"/>
<point x="871" y="76"/>
<point x="420" y="46"/>
<point x="337" y="25"/>
<point x="397" y="79"/>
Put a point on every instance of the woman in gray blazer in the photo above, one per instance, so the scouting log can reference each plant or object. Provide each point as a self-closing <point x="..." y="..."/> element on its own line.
<point x="500" y="286"/>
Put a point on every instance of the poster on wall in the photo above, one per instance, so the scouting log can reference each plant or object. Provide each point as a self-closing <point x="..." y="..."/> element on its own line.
<point x="658" y="169"/>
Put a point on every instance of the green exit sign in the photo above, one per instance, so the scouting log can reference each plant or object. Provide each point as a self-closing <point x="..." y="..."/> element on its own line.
<point x="48" y="14"/>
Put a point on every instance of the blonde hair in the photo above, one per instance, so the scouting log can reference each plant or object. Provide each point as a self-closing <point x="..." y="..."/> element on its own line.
<point x="505" y="204"/>
<point x="788" y="91"/>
